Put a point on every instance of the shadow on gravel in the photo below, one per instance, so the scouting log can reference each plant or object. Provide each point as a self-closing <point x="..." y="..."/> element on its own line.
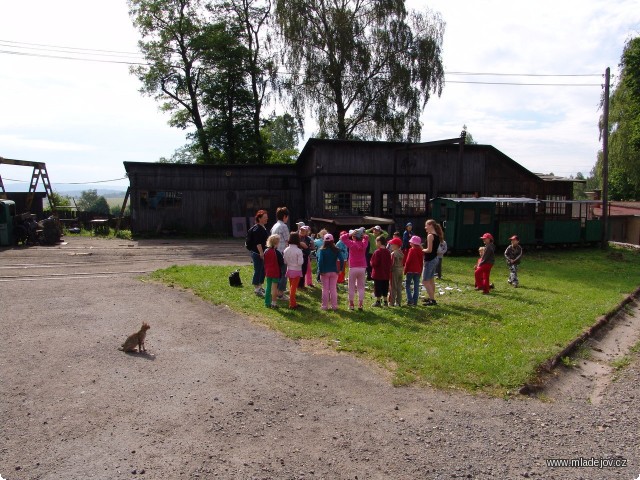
<point x="144" y="355"/>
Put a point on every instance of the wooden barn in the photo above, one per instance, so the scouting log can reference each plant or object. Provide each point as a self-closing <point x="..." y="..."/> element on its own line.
<point x="209" y="199"/>
<point x="331" y="178"/>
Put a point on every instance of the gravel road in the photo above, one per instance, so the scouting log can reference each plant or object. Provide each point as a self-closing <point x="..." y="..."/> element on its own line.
<point x="218" y="396"/>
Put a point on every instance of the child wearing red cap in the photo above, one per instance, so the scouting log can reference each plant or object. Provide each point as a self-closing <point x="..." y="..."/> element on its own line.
<point x="485" y="264"/>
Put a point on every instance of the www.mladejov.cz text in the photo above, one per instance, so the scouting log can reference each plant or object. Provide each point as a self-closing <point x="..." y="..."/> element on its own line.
<point x="587" y="462"/>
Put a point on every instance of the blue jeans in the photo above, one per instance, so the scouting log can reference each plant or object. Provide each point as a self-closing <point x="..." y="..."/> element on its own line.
<point x="258" y="269"/>
<point x="282" y="283"/>
<point x="413" y="294"/>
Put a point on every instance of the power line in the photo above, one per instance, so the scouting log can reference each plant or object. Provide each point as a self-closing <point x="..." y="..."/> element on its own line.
<point x="71" y="183"/>
<point x="530" y="84"/>
<point x="99" y="52"/>
<point x="528" y="74"/>
<point x="89" y="50"/>
<point x="70" y="58"/>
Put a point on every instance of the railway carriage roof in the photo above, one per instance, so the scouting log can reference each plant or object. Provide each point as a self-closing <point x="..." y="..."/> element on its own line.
<point x="488" y="199"/>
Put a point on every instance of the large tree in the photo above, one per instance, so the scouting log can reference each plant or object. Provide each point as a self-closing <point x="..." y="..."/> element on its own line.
<point x="366" y="67"/>
<point x="251" y="20"/>
<point x="228" y="100"/>
<point x="174" y="46"/>
<point x="624" y="127"/>
<point x="205" y="65"/>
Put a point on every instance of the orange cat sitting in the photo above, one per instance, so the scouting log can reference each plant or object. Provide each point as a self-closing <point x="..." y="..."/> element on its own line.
<point x="137" y="338"/>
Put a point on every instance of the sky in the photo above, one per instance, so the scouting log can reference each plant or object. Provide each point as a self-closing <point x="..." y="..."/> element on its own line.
<point x="84" y="118"/>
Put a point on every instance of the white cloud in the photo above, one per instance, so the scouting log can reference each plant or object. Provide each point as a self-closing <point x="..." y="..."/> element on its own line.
<point x="84" y="118"/>
<point x="544" y="128"/>
<point x="22" y="142"/>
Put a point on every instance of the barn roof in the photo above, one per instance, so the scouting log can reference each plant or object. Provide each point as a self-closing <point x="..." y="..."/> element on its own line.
<point x="313" y="143"/>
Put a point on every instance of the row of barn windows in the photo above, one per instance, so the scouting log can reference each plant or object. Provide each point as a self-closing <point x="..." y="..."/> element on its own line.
<point x="345" y="203"/>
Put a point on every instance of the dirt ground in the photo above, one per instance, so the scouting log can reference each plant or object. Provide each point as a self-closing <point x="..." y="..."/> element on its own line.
<point x="217" y="396"/>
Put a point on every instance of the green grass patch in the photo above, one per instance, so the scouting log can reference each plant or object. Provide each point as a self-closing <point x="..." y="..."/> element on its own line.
<point x="493" y="343"/>
<point x="122" y="234"/>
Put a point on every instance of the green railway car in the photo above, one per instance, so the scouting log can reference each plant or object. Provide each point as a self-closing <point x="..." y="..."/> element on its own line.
<point x="536" y="222"/>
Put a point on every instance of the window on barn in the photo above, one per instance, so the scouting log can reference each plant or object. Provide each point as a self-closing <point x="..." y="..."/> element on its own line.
<point x="160" y="199"/>
<point x="407" y="204"/>
<point x="347" y="203"/>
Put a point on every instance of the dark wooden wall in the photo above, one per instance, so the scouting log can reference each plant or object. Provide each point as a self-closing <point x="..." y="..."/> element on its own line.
<point x="212" y="195"/>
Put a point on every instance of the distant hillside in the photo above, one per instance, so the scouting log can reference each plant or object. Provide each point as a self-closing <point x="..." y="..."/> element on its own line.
<point x="76" y="190"/>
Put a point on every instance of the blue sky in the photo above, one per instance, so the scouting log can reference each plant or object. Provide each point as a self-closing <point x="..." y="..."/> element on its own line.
<point x="85" y="118"/>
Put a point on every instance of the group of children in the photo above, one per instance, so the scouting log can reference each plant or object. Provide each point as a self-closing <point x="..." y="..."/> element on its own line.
<point x="391" y="267"/>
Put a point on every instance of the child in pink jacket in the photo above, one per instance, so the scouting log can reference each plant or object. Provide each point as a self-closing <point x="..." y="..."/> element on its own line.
<point x="358" y="245"/>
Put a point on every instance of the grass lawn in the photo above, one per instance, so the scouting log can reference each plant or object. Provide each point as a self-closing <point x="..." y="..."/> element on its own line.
<point x="492" y="343"/>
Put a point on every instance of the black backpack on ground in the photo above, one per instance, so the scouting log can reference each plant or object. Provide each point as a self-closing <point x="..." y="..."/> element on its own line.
<point x="234" y="279"/>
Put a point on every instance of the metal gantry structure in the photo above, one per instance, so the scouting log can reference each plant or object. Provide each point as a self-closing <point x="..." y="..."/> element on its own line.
<point x="39" y="171"/>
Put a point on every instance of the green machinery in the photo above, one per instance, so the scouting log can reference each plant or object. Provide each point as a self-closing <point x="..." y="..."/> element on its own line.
<point x="7" y="215"/>
<point x="17" y="227"/>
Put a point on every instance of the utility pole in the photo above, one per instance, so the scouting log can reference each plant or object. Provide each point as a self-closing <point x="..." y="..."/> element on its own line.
<point x="605" y="163"/>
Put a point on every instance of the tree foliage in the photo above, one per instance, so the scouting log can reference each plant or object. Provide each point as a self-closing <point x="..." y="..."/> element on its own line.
<point x="204" y="65"/>
<point x="173" y="44"/>
<point x="624" y="128"/>
<point x="227" y="98"/>
<point x="251" y="18"/>
<point x="90" y="201"/>
<point x="60" y="200"/>
<point x="366" y="67"/>
<point x="468" y="138"/>
<point x="281" y="135"/>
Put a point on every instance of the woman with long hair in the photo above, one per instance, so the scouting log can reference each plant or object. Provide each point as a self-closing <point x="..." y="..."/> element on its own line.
<point x="434" y="235"/>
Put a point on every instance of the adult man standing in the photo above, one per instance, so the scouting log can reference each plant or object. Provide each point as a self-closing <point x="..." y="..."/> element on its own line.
<point x="281" y="229"/>
<point x="257" y="244"/>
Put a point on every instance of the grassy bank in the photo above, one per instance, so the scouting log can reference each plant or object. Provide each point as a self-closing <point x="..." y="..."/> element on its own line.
<point x="472" y="341"/>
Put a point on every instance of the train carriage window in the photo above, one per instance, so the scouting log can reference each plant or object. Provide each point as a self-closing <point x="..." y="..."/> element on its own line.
<point x="468" y="216"/>
<point x="485" y="216"/>
<point x="559" y="208"/>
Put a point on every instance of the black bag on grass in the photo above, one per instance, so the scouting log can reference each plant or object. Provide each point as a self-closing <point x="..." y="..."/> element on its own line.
<point x="234" y="279"/>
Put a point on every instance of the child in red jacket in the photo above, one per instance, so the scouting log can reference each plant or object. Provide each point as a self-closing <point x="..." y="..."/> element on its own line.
<point x="273" y="262"/>
<point x="381" y="271"/>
